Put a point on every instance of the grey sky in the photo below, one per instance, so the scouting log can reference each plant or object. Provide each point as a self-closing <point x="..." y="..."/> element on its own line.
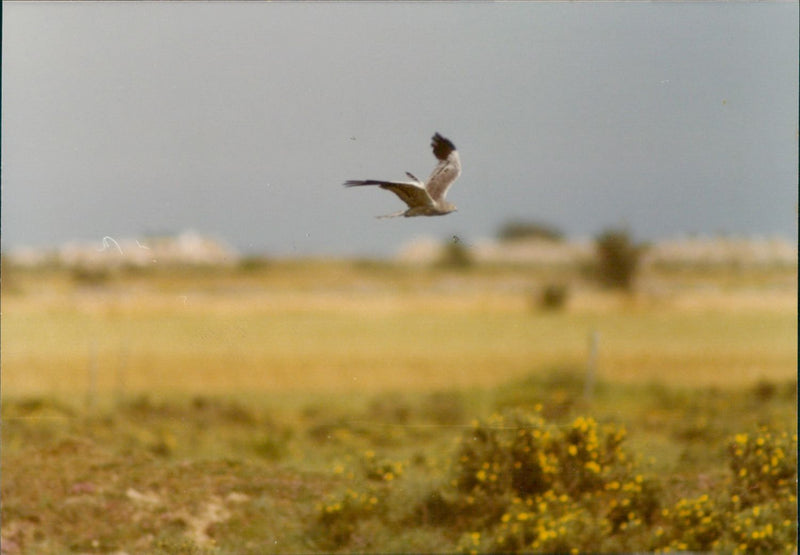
<point x="242" y="120"/>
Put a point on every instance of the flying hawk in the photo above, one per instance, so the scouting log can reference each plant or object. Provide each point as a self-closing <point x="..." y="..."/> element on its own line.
<point x="424" y="199"/>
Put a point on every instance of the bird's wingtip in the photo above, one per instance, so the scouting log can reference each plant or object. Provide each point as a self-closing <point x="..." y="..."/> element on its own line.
<point x="442" y="147"/>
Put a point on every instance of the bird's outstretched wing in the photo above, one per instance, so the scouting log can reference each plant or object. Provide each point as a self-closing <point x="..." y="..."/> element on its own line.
<point x="448" y="169"/>
<point x="413" y="194"/>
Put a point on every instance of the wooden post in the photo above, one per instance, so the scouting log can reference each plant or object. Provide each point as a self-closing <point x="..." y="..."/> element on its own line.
<point x="591" y="366"/>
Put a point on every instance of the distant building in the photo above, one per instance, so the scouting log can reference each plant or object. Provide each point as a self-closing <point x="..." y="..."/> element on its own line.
<point x="521" y="251"/>
<point x="187" y="248"/>
<point x="699" y="251"/>
<point x="722" y="251"/>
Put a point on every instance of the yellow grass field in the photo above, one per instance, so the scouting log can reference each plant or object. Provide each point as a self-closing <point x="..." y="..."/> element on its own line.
<point x="357" y="406"/>
<point x="337" y="327"/>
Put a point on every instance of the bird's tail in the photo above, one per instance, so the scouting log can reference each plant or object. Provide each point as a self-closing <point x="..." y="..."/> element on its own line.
<point x="362" y="182"/>
<point x="414" y="177"/>
<point x="378" y="182"/>
<point x="393" y="215"/>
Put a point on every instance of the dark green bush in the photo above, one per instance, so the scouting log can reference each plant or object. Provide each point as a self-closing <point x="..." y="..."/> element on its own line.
<point x="617" y="259"/>
<point x="553" y="297"/>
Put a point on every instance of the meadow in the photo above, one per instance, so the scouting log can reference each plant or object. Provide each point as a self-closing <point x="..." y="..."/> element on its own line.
<point x="329" y="405"/>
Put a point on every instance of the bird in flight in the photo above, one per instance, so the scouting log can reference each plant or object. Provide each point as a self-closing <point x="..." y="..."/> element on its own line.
<point x="424" y="199"/>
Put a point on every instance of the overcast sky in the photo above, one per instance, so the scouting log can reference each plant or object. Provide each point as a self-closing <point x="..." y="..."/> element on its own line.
<point x="242" y="120"/>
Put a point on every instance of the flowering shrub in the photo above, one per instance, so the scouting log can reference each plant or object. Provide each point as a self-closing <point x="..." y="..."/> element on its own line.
<point x="764" y="466"/>
<point x="763" y="529"/>
<point x="573" y="488"/>
<point x="552" y="488"/>
<point x="522" y="455"/>
<point x="338" y="517"/>
<point x="757" y="512"/>
<point x="520" y="483"/>
<point x="764" y="492"/>
<point x="697" y="524"/>
<point x="550" y="523"/>
<point x="381" y="470"/>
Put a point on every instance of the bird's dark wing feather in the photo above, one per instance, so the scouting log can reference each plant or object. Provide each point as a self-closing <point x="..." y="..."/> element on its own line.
<point x="448" y="169"/>
<point x="441" y="147"/>
<point x="410" y="193"/>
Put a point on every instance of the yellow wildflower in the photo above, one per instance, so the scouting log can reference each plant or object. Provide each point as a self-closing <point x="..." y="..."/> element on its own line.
<point x="741" y="438"/>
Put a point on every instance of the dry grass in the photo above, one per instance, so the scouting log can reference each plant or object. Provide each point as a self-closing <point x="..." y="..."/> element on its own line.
<point x="254" y="403"/>
<point x="338" y="327"/>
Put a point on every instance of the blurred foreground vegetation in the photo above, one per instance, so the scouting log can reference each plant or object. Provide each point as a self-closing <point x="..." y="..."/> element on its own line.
<point x="370" y="406"/>
<point x="530" y="465"/>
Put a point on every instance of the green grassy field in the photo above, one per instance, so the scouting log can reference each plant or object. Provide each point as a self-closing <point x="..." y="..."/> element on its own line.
<point x="329" y="405"/>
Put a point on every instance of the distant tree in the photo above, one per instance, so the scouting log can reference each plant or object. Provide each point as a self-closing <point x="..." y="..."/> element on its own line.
<point x="617" y="258"/>
<point x="517" y="229"/>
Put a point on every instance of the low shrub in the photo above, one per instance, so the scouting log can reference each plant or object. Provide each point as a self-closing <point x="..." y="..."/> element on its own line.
<point x="764" y="466"/>
<point x="763" y="528"/>
<point x="339" y="516"/>
<point x="552" y="488"/>
<point x="521" y="483"/>
<point x="574" y="488"/>
<point x="696" y="524"/>
<point x="553" y="297"/>
<point x="756" y="512"/>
